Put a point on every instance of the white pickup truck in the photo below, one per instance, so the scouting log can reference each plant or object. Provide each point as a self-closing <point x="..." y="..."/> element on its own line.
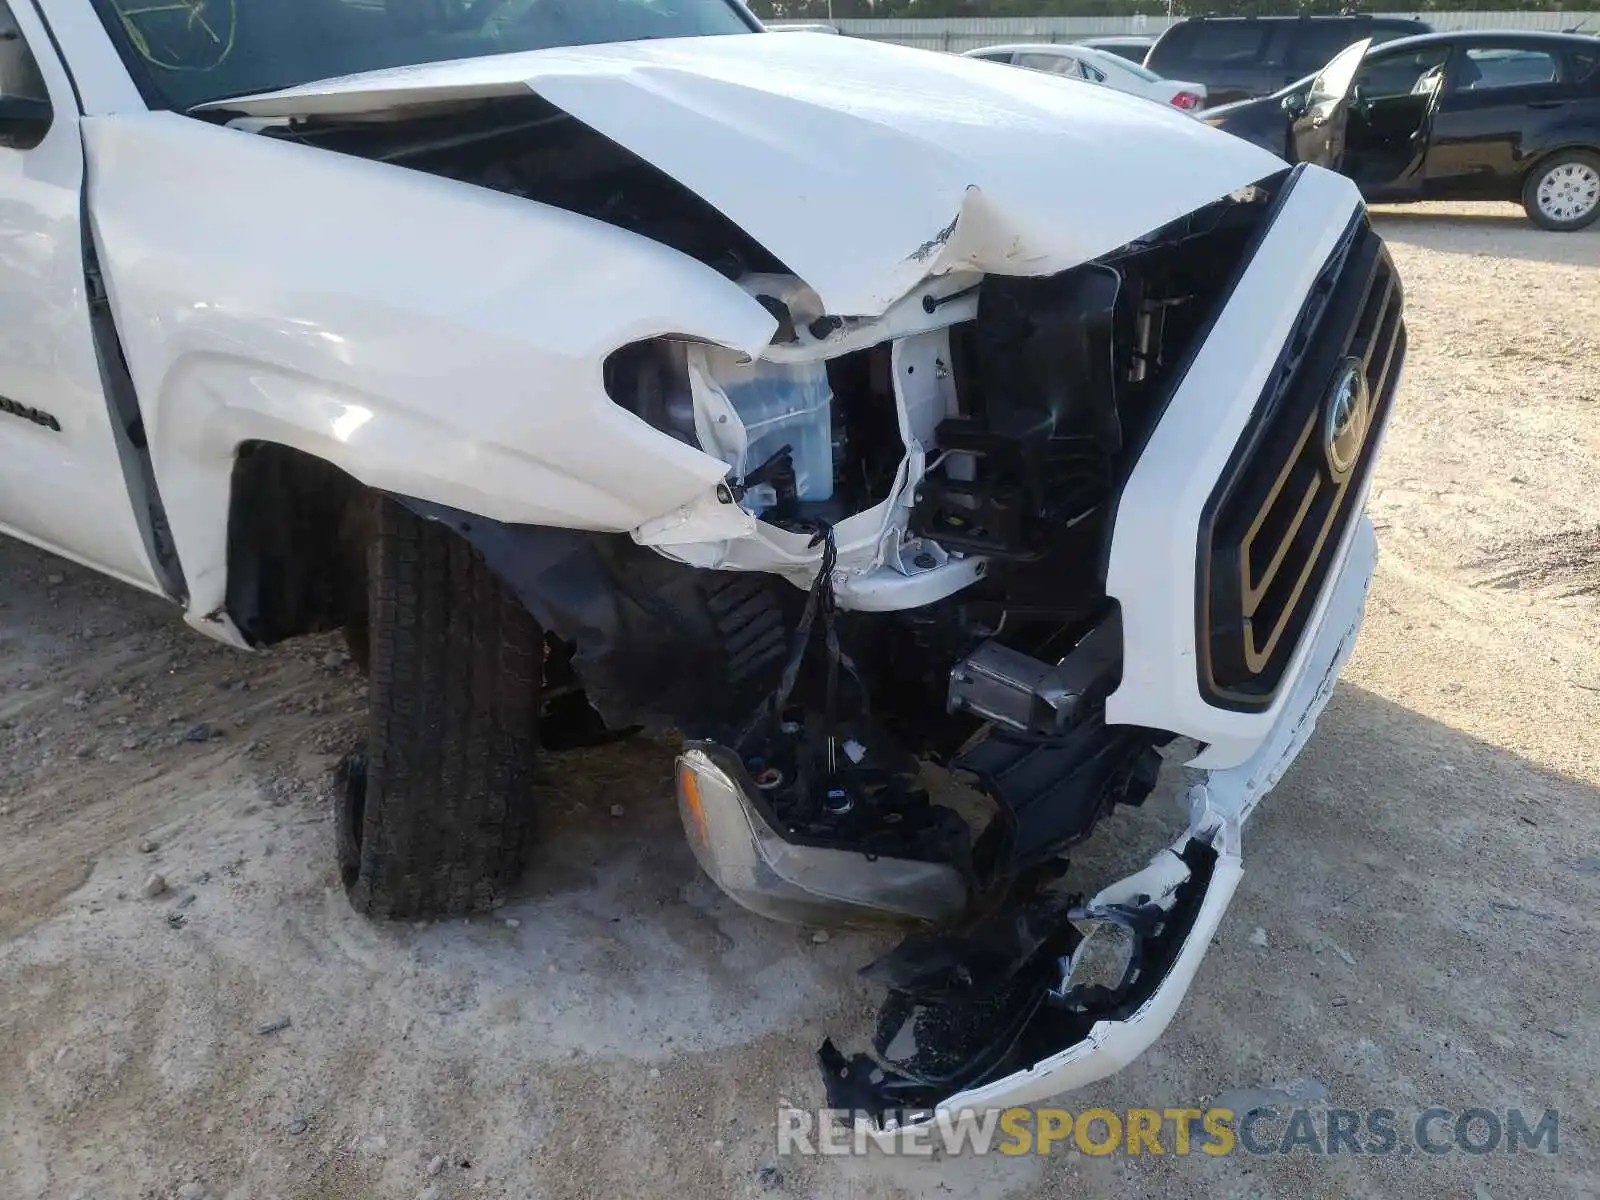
<point x="845" y="407"/>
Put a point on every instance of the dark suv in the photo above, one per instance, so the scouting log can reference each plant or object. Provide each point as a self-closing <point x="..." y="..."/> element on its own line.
<point x="1240" y="57"/>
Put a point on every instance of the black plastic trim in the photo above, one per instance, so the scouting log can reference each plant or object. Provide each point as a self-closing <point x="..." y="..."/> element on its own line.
<point x="1250" y="614"/>
<point x="55" y="44"/>
<point x="127" y="421"/>
<point x="37" y="416"/>
<point x="1133" y="451"/>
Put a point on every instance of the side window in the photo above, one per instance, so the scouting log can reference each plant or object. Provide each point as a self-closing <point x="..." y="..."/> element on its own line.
<point x="999" y="56"/>
<point x="1318" y="41"/>
<point x="1414" y="74"/>
<point x="1093" y="74"/>
<point x="1388" y="31"/>
<point x="1228" y="43"/>
<point x="1585" y="65"/>
<point x="1334" y="81"/>
<point x="1484" y="68"/>
<point x="24" y="102"/>
<point x="1055" y="64"/>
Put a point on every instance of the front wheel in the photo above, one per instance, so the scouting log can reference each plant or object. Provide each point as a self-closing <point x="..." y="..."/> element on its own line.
<point x="1563" y="192"/>
<point x="436" y="817"/>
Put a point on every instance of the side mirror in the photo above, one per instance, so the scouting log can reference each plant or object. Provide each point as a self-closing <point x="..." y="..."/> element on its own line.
<point x="23" y="121"/>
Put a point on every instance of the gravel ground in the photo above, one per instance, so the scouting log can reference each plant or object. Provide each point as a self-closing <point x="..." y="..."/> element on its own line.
<point x="1424" y="881"/>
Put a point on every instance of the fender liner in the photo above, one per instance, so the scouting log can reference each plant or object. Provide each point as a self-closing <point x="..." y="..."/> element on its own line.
<point x="649" y="650"/>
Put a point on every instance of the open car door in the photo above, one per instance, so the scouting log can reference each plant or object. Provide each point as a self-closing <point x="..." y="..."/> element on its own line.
<point x="1317" y="133"/>
<point x="1392" y="106"/>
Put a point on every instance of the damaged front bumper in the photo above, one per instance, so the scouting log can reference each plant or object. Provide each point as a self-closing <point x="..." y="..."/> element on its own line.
<point x="1053" y="1032"/>
<point x="731" y="830"/>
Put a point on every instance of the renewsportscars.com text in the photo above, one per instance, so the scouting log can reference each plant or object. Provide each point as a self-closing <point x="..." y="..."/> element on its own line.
<point x="1178" y="1131"/>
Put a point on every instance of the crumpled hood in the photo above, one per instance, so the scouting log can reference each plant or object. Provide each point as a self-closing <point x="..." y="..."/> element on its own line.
<point x="863" y="167"/>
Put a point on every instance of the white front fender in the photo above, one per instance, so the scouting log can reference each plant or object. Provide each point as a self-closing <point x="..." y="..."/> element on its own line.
<point x="427" y="336"/>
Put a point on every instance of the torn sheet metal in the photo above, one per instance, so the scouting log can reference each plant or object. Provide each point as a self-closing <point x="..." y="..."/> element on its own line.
<point x="863" y="167"/>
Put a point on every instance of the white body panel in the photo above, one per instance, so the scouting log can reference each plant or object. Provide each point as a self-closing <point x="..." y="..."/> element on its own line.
<point x="60" y="488"/>
<point x="461" y="367"/>
<point x="1152" y="566"/>
<point x="1082" y="62"/>
<point x="102" y="83"/>
<point x="863" y="167"/>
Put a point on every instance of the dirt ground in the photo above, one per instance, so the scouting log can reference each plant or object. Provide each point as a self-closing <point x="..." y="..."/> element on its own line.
<point x="1425" y="879"/>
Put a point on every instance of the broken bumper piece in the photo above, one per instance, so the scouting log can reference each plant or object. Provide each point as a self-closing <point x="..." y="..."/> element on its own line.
<point x="1180" y="896"/>
<point x="1039" y="1029"/>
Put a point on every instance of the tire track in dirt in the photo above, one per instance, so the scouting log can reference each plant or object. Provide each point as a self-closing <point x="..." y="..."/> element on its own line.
<point x="1566" y="563"/>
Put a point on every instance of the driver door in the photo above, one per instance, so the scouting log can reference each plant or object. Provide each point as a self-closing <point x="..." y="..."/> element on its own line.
<point x="1317" y="134"/>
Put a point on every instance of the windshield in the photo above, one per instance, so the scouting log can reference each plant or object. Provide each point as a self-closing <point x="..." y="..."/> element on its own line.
<point x="187" y="52"/>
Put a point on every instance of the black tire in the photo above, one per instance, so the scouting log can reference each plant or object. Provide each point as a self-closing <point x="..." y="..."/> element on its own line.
<point x="1536" y="177"/>
<point x="436" y="817"/>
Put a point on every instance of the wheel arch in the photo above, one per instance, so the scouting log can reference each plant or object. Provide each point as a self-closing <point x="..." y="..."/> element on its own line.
<point x="1542" y="156"/>
<point x="1529" y="187"/>
<point x="466" y="368"/>
<point x="297" y="528"/>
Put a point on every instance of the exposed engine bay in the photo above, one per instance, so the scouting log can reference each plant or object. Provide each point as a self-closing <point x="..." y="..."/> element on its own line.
<point x="936" y="483"/>
<point x="953" y="461"/>
<point x="980" y="420"/>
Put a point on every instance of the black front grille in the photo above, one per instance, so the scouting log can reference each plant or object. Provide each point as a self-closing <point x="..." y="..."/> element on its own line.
<point x="1272" y="527"/>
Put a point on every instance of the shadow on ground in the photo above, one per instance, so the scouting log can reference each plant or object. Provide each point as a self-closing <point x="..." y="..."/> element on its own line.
<point x="1415" y="928"/>
<point x="1488" y="230"/>
<point x="1422" y="897"/>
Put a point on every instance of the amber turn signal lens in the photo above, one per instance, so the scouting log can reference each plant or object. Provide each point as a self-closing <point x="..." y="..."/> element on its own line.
<point x="689" y="801"/>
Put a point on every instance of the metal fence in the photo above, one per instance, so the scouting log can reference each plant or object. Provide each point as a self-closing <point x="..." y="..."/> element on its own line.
<point x="966" y="33"/>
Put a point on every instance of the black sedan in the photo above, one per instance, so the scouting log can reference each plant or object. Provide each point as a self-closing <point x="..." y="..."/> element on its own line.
<point x="1448" y="116"/>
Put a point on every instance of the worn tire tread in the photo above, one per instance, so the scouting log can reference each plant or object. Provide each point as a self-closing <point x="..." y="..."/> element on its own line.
<point x="449" y="809"/>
